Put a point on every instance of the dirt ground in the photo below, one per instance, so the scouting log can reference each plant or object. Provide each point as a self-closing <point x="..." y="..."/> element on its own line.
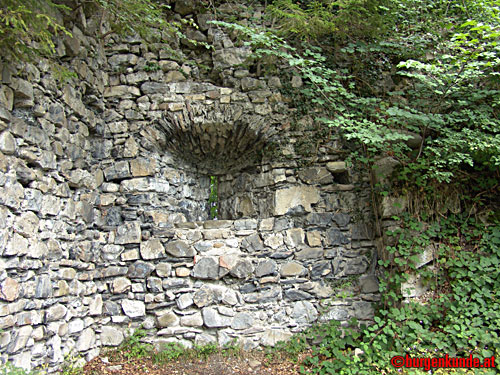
<point x="245" y="363"/>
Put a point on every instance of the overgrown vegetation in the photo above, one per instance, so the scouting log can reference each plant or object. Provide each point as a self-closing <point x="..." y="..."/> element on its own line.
<point x="420" y="87"/>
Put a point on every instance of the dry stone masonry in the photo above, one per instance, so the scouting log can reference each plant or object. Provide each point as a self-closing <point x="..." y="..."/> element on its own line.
<point x="104" y="213"/>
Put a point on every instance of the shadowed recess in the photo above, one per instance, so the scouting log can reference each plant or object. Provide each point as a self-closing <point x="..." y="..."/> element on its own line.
<point x="217" y="140"/>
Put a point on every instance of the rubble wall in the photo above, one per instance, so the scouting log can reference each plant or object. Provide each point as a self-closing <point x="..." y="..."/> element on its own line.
<point x="104" y="213"/>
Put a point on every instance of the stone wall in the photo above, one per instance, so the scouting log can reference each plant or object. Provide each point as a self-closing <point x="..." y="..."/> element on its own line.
<point x="104" y="203"/>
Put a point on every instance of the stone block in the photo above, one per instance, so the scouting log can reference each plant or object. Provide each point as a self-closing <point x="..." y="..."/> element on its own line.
<point x="152" y="249"/>
<point x="296" y="198"/>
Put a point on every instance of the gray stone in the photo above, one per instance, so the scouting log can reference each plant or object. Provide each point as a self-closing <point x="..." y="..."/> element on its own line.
<point x="363" y="310"/>
<point x="297" y="295"/>
<point x="20" y="339"/>
<point x="9" y="289"/>
<point x="194" y="320"/>
<point x="362" y="231"/>
<point x="163" y="269"/>
<point x="55" y="312"/>
<point x="206" y="268"/>
<point x="292" y="269"/>
<point x="7" y="143"/>
<point x="43" y="287"/>
<point x="242" y="320"/>
<point x="335" y="237"/>
<point x="22" y="89"/>
<point x="123" y="59"/>
<point x="154" y="284"/>
<point x="140" y="270"/>
<point x="320" y="269"/>
<point x="117" y="171"/>
<point x="169" y="319"/>
<point x="309" y="253"/>
<point x="316" y="175"/>
<point x="122" y="91"/>
<point x="337" y="166"/>
<point x="243" y="269"/>
<point x="342" y="219"/>
<point x="179" y="249"/>
<point x="393" y="206"/>
<point x="133" y="309"/>
<point x="184" y="301"/>
<point x="304" y="312"/>
<point x="128" y="233"/>
<point x="253" y="243"/>
<point x="212" y="319"/>
<point x="369" y="284"/>
<point x="204" y="297"/>
<point x="152" y="249"/>
<point x="335" y="313"/>
<point x="266" y="267"/>
<point x="185" y="7"/>
<point x="296" y="197"/>
<point x="272" y="336"/>
<point x="120" y="285"/>
<point x="86" y="340"/>
<point x="111" y="336"/>
<point x="149" y="88"/>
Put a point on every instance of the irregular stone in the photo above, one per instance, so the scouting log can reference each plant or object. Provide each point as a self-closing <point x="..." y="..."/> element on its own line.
<point x="335" y="237"/>
<point x="184" y="301"/>
<point x="274" y="241"/>
<point x="111" y="336"/>
<point x="321" y="219"/>
<point x="120" y="285"/>
<point x="194" y="320"/>
<point x="55" y="312"/>
<point x="206" y="268"/>
<point x="95" y="306"/>
<point x="304" y="312"/>
<point x="212" y="319"/>
<point x="128" y="233"/>
<point x="316" y="175"/>
<point x="22" y="89"/>
<point x="185" y="7"/>
<point x="309" y="253"/>
<point x="20" y="339"/>
<point x="43" y="287"/>
<point x="168" y="319"/>
<point x="297" y="295"/>
<point x="243" y="269"/>
<point x="179" y="249"/>
<point x="294" y="237"/>
<point x="7" y="143"/>
<point x="86" y="340"/>
<point x="204" y="297"/>
<point x="393" y="206"/>
<point x="142" y="167"/>
<point x="133" y="309"/>
<point x="140" y="270"/>
<point x="295" y="198"/>
<point x="337" y="166"/>
<point x="369" y="284"/>
<point x="149" y="88"/>
<point x="242" y="321"/>
<point x="122" y="91"/>
<point x="362" y="231"/>
<point x="117" y="171"/>
<point x="9" y="289"/>
<point x="163" y="269"/>
<point x="335" y="313"/>
<point x="314" y="238"/>
<point x="272" y="336"/>
<point x="18" y="245"/>
<point x="266" y="267"/>
<point x="320" y="269"/>
<point x="152" y="249"/>
<point x="342" y="219"/>
<point x="253" y="243"/>
<point x="292" y="269"/>
<point x="363" y="310"/>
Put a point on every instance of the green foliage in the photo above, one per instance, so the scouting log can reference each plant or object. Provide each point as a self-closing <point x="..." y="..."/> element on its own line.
<point x="333" y="19"/>
<point x="213" y="199"/>
<point x="27" y="27"/>
<point x="169" y="352"/>
<point x="133" y="347"/>
<point x="72" y="365"/>
<point x="460" y="316"/>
